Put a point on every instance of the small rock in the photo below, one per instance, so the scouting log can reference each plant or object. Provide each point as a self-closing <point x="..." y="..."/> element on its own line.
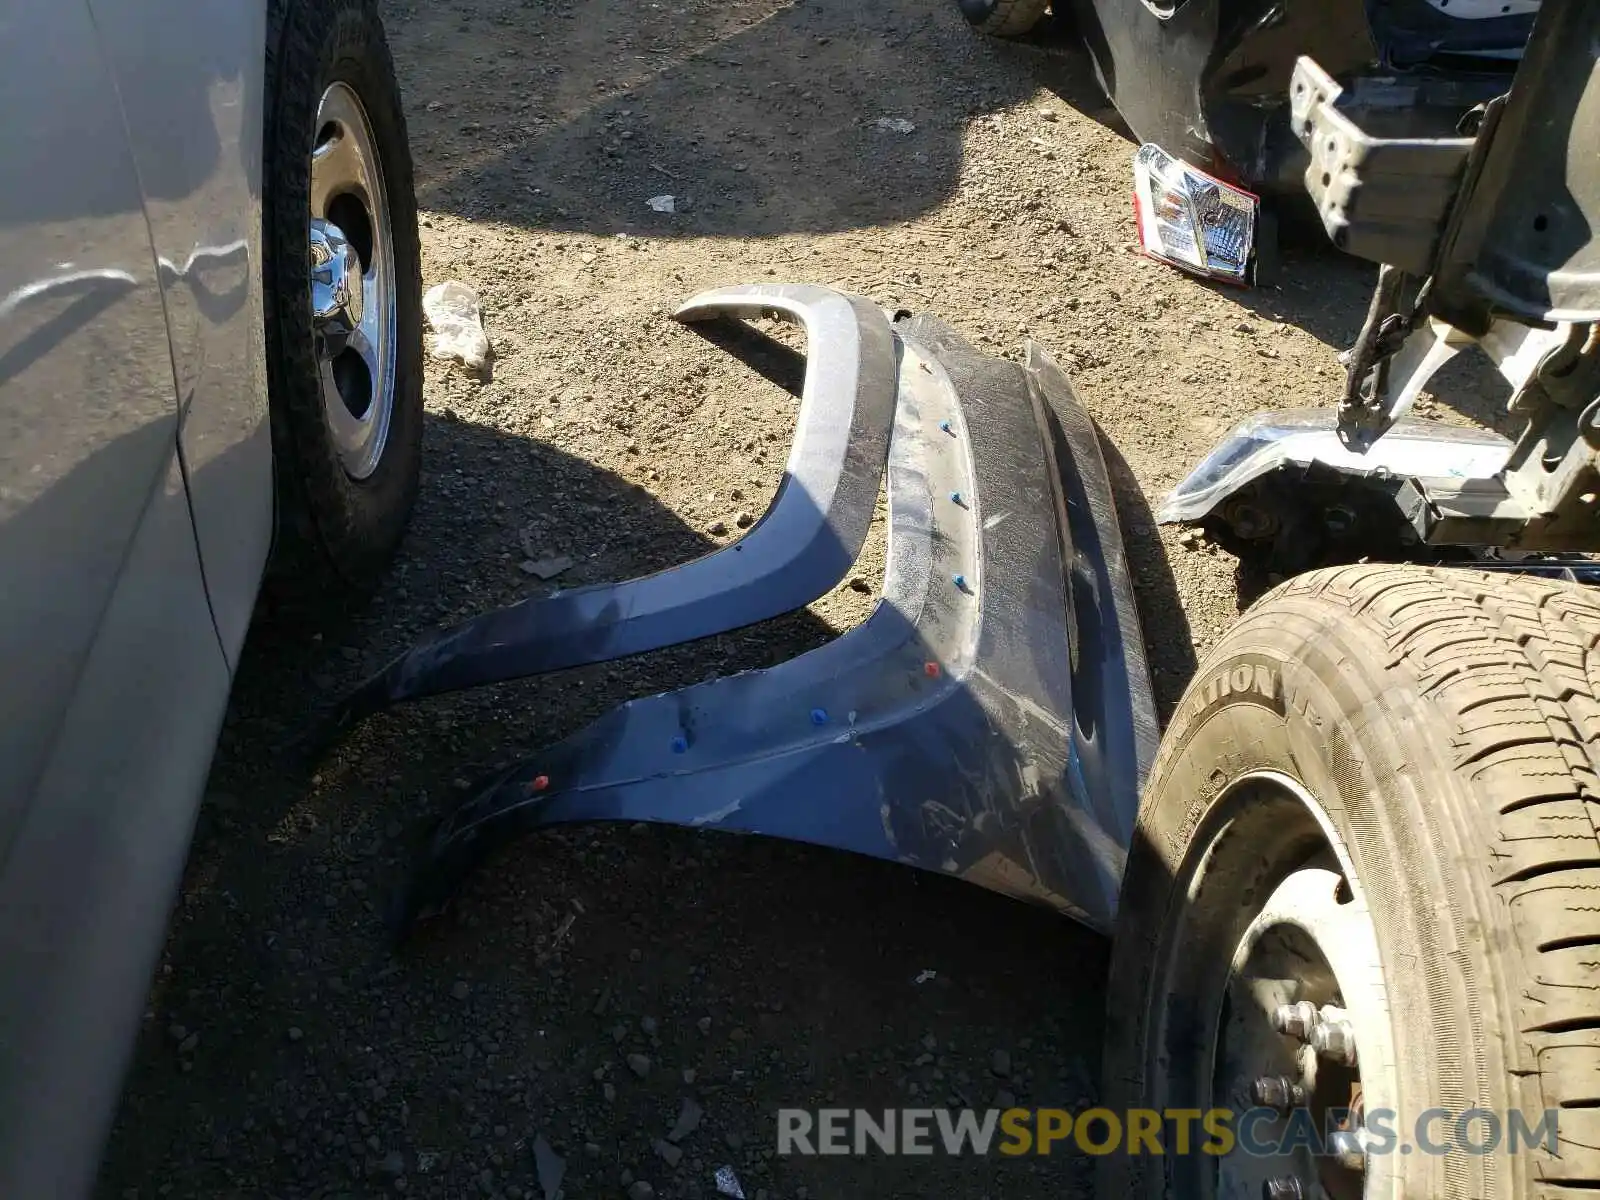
<point x="187" y="1046"/>
<point x="688" y="1074"/>
<point x="460" y="989"/>
<point x="744" y="520"/>
<point x="703" y="1024"/>
<point x="649" y="1025"/>
<point x="1047" y="114"/>
<point x="717" y="528"/>
<point x="394" y="1163"/>
<point x="688" y="1121"/>
<point x="639" y="1064"/>
<point x="1189" y="539"/>
<point x="858" y="584"/>
<point x="894" y="125"/>
<point x="663" y="204"/>
<point x="1000" y="1063"/>
<point x="1004" y="1099"/>
<point x="295" y="1033"/>
<point x="640" y="1190"/>
<point x="669" y="1153"/>
<point x="546" y="568"/>
<point x="177" y="1032"/>
<point x="733" y="1140"/>
<point x="930" y="1043"/>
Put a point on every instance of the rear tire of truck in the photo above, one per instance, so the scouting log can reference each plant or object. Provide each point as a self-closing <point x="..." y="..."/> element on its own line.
<point x="1004" y="18"/>
<point x="1379" y="794"/>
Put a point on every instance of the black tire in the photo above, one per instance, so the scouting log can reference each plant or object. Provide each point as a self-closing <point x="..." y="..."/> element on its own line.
<point x="1004" y="18"/>
<point x="1446" y="725"/>
<point x="336" y="534"/>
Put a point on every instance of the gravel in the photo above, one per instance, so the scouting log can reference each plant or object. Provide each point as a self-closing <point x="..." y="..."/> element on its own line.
<point x="768" y="974"/>
<point x="689" y="1117"/>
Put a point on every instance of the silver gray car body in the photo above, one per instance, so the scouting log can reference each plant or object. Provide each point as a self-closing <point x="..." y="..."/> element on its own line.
<point x="135" y="516"/>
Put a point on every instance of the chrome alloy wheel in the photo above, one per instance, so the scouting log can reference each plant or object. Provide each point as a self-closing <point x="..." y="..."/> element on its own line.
<point x="353" y="294"/>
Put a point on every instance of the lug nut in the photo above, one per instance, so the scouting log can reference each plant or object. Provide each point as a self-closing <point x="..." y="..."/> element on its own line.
<point x="1335" y="1041"/>
<point x="1345" y="1147"/>
<point x="1277" y="1092"/>
<point x="1286" y="1187"/>
<point x="1296" y="1020"/>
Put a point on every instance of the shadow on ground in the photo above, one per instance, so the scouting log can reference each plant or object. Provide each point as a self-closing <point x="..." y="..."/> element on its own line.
<point x="286" y="1052"/>
<point x="760" y="117"/>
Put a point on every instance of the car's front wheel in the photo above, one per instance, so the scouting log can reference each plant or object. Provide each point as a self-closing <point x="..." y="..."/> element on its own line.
<point x="343" y="294"/>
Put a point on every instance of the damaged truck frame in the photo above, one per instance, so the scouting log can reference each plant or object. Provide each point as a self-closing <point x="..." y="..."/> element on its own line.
<point x="1363" y="880"/>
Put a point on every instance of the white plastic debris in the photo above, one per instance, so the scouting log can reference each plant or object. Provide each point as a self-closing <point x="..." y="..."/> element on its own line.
<point x="925" y="976"/>
<point x="1193" y="220"/>
<point x="663" y="204"/>
<point x="549" y="1166"/>
<point x="895" y="125"/>
<point x="454" y="312"/>
<point x="728" y="1183"/>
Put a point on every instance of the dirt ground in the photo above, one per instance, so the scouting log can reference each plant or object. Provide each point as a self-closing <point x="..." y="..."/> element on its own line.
<point x="285" y="1052"/>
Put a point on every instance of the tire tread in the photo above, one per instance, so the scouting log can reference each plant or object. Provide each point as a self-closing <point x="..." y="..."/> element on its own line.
<point x="1511" y="662"/>
<point x="1013" y="18"/>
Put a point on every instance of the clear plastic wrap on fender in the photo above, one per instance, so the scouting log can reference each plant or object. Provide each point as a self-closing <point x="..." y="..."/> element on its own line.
<point x="1262" y="443"/>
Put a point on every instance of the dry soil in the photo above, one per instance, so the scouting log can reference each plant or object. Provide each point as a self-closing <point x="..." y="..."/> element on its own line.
<point x="592" y="982"/>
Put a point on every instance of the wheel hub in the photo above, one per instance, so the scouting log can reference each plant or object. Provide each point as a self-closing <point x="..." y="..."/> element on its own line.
<point x="1289" y="1042"/>
<point x="352" y="291"/>
<point x="1271" y="1003"/>
<point x="336" y="287"/>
